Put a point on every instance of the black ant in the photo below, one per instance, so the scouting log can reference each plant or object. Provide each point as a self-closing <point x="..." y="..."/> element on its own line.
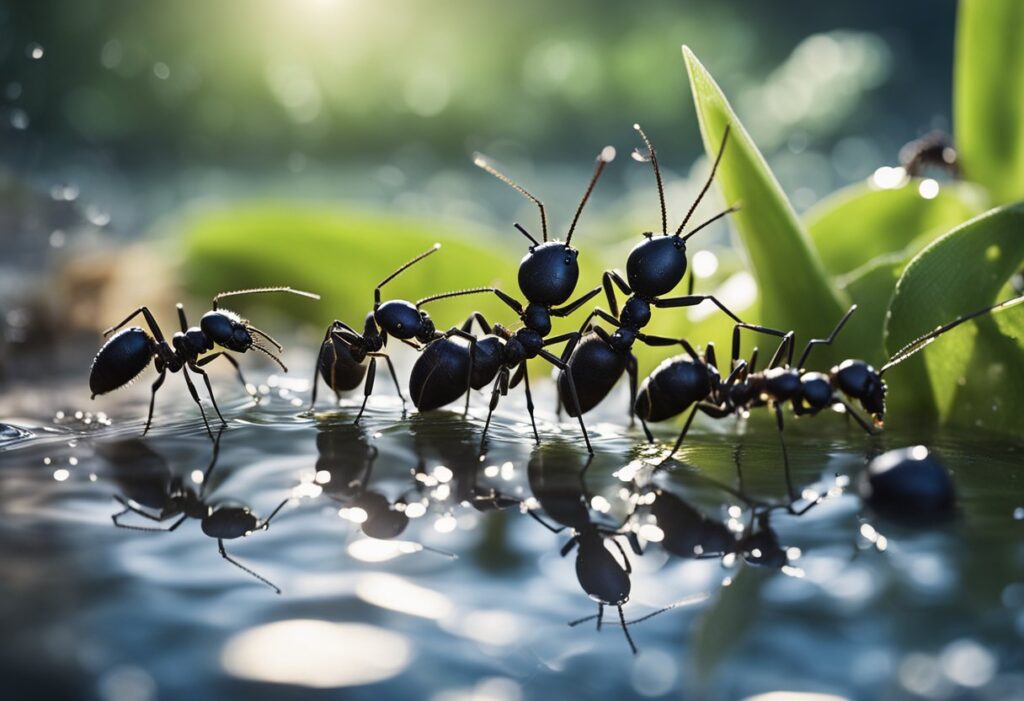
<point x="548" y="274"/>
<point x="343" y="353"/>
<point x="933" y="150"/>
<point x="151" y="492"/>
<point x="654" y="267"/>
<point x="688" y="380"/>
<point x="563" y="497"/>
<point x="126" y="354"/>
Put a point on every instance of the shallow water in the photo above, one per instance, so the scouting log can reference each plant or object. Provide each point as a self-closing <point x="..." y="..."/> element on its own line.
<point x="863" y="609"/>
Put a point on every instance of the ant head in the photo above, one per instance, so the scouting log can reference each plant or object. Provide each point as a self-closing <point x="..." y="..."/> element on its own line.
<point x="229" y="522"/>
<point x="548" y="273"/>
<point x="656" y="265"/>
<point x="862" y="382"/>
<point x="382" y="521"/>
<point x="227" y="329"/>
<point x="400" y="319"/>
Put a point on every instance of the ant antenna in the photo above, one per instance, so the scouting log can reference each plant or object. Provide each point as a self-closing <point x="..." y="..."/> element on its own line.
<point x="457" y="293"/>
<point x="266" y="522"/>
<point x="403" y="268"/>
<point x="653" y="158"/>
<point x="712" y="220"/>
<point x="480" y="161"/>
<point x="606" y="156"/>
<point x="919" y="343"/>
<point x="259" y="290"/>
<point x="526" y="233"/>
<point x="711" y="178"/>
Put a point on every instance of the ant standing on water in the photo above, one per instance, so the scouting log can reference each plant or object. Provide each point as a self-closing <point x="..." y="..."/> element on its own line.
<point x="126" y="354"/>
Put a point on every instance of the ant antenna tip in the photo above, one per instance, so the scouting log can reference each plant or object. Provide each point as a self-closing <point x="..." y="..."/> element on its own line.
<point x="479" y="160"/>
<point x="436" y="246"/>
<point x="636" y="125"/>
<point x="607" y="154"/>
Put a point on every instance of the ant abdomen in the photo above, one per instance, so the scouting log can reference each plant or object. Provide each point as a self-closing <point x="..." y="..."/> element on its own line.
<point x="338" y="366"/>
<point x="597" y="368"/>
<point x="673" y="386"/>
<point x="440" y="374"/>
<point x="120" y="360"/>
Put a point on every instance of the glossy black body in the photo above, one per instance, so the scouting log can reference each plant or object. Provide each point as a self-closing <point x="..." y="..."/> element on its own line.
<point x="688" y="533"/>
<point x="909" y="485"/>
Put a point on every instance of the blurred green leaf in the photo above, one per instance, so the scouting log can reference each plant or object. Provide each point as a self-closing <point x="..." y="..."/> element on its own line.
<point x="871" y="287"/>
<point x="795" y="290"/>
<point x="976" y="372"/>
<point x="342" y="255"/>
<point x="989" y="95"/>
<point x="859" y="223"/>
<point x="725" y="622"/>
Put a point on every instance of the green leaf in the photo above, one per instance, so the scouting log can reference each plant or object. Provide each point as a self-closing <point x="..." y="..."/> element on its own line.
<point x="726" y="621"/>
<point x="342" y="255"/>
<point x="861" y="222"/>
<point x="988" y="99"/>
<point x="871" y="288"/>
<point x="795" y="290"/>
<point x="976" y="371"/>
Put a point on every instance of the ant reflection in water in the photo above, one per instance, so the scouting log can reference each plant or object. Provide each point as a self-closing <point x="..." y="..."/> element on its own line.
<point x="346" y="455"/>
<point x="151" y="491"/>
<point x="560" y="488"/>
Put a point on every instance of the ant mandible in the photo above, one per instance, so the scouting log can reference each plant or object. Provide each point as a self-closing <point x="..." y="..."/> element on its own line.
<point x="126" y="354"/>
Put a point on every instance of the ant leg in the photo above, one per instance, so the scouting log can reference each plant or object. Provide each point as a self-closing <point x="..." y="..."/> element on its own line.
<point x="181" y="317"/>
<point x="150" y="321"/>
<point x="785" y="453"/>
<point x="538" y="519"/>
<point x="613" y="276"/>
<point x="239" y="565"/>
<point x="500" y="387"/>
<point x="394" y="375"/>
<point x="600" y="616"/>
<point x="578" y="621"/>
<point x="785" y="349"/>
<point x="562" y="365"/>
<point x="694" y="300"/>
<point x="266" y="523"/>
<point x="151" y="529"/>
<point x="859" y="419"/>
<point x="464" y="334"/>
<point x="319" y="361"/>
<point x="195" y="398"/>
<point x="567" y="548"/>
<point x="753" y="327"/>
<point x="209" y="389"/>
<point x="238" y="369"/>
<point x="573" y="306"/>
<point x="371" y="373"/>
<point x="825" y="341"/>
<point x="152" y="399"/>
<point x="529" y="401"/>
<point x="631" y="371"/>
<point x="682" y="436"/>
<point x="480" y="320"/>
<point x="629" y="638"/>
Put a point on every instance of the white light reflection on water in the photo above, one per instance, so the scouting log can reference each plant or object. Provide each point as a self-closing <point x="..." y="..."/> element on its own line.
<point x="374" y="550"/>
<point x="398" y="594"/>
<point x="316" y="654"/>
<point x="795" y="696"/>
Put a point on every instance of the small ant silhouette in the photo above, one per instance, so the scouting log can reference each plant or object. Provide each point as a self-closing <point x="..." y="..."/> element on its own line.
<point x="548" y="274"/>
<point x="689" y="380"/>
<point x="341" y="362"/>
<point x="654" y="267"/>
<point x="933" y="150"/>
<point x="126" y="354"/>
<point x="149" y="487"/>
